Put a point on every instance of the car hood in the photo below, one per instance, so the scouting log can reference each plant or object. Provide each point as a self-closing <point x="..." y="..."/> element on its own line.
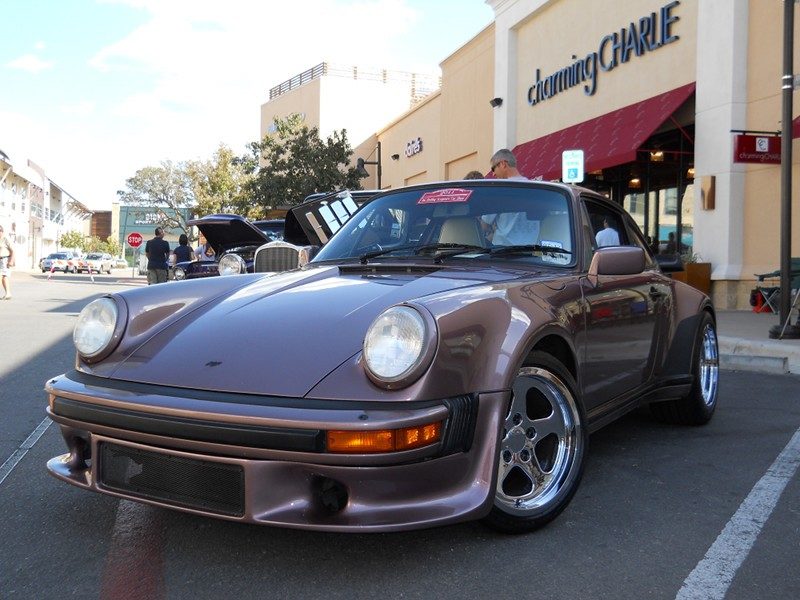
<point x="228" y="231"/>
<point x="276" y="335"/>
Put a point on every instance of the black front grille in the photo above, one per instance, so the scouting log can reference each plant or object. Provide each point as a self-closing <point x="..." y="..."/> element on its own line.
<point x="191" y="483"/>
<point x="276" y="259"/>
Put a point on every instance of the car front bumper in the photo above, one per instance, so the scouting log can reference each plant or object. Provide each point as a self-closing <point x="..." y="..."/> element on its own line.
<point x="263" y="460"/>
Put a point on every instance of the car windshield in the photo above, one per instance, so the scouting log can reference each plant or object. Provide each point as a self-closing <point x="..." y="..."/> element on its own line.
<point x="273" y="232"/>
<point x="94" y="257"/>
<point x="520" y="223"/>
<point x="57" y="256"/>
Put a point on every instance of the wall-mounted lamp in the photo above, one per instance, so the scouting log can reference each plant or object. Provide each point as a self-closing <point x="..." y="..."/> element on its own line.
<point x="690" y="173"/>
<point x="362" y="172"/>
<point x="495" y="102"/>
<point x="635" y="183"/>
<point x="657" y="156"/>
<point x="395" y="157"/>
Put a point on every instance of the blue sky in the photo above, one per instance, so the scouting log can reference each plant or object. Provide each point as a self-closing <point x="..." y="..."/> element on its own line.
<point x="92" y="90"/>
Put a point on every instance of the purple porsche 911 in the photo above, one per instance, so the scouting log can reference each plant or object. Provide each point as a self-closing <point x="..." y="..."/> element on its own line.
<point x="444" y="357"/>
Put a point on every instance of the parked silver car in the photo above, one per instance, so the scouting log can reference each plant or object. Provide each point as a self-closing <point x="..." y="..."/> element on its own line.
<point x="96" y="262"/>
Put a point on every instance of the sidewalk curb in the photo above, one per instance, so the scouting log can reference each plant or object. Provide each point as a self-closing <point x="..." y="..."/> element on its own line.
<point x="765" y="357"/>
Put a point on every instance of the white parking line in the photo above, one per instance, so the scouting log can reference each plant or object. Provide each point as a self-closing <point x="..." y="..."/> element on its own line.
<point x="14" y="459"/>
<point x="713" y="575"/>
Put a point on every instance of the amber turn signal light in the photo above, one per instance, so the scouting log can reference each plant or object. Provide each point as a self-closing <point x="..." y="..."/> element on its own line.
<point x="384" y="440"/>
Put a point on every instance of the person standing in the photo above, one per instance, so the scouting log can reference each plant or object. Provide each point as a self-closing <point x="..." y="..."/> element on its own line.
<point x="607" y="236"/>
<point x="6" y="261"/>
<point x="157" y="252"/>
<point x="204" y="251"/>
<point x="183" y="251"/>
<point x="504" y="165"/>
<point x="508" y="229"/>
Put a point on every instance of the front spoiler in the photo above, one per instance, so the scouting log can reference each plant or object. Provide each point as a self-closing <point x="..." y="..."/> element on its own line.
<point x="390" y="492"/>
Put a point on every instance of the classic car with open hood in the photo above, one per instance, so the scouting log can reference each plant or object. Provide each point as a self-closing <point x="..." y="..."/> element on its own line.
<point x="234" y="240"/>
<point x="444" y="357"/>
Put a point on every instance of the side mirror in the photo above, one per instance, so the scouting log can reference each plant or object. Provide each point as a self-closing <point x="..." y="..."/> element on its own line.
<point x="617" y="260"/>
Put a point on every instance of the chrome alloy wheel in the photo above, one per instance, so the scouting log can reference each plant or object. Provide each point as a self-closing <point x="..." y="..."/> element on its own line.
<point x="708" y="370"/>
<point x="541" y="439"/>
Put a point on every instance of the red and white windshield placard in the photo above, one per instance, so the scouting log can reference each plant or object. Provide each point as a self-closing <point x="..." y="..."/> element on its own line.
<point x="446" y="195"/>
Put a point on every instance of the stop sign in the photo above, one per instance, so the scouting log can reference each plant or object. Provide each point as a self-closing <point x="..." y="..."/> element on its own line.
<point x="134" y="239"/>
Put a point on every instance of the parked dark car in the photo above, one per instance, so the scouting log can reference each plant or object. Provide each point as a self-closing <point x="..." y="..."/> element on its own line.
<point x="234" y="239"/>
<point x="444" y="357"/>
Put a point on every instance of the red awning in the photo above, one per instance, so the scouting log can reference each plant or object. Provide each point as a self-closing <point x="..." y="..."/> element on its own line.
<point x="609" y="140"/>
<point x="796" y="127"/>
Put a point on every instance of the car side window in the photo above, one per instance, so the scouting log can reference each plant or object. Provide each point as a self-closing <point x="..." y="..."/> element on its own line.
<point x="606" y="226"/>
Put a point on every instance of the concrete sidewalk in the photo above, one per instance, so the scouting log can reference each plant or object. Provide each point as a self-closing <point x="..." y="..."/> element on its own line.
<point x="744" y="343"/>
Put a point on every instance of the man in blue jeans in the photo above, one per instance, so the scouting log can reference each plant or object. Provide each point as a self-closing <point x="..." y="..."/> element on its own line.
<point x="157" y="252"/>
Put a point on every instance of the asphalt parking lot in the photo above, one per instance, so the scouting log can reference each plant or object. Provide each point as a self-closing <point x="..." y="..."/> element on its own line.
<point x="663" y="512"/>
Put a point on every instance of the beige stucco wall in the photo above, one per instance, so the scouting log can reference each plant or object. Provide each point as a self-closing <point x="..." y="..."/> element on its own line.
<point x="542" y="44"/>
<point x="424" y="122"/>
<point x="467" y="118"/>
<point x="762" y="205"/>
<point x="304" y="100"/>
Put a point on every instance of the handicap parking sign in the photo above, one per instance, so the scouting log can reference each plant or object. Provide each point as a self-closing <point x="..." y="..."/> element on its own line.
<point x="572" y="166"/>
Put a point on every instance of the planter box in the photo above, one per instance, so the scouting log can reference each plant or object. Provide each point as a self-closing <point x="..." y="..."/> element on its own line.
<point x="697" y="275"/>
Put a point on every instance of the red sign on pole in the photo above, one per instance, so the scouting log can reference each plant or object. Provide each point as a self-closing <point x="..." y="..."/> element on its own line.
<point x="135" y="239"/>
<point x="761" y="149"/>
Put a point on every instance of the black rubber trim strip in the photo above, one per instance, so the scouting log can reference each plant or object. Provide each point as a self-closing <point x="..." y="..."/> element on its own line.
<point x="252" y="399"/>
<point x="303" y="440"/>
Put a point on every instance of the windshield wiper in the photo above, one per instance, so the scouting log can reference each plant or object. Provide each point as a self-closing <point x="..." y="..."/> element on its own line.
<point x="365" y="257"/>
<point x="526" y="248"/>
<point x="444" y="249"/>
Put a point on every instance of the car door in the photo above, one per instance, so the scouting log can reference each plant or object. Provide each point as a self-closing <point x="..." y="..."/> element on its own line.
<point x="622" y="316"/>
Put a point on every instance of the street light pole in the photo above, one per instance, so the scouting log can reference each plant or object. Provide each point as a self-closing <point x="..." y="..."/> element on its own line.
<point x="782" y="329"/>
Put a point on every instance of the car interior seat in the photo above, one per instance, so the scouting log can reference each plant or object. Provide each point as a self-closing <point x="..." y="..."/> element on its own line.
<point x="461" y="230"/>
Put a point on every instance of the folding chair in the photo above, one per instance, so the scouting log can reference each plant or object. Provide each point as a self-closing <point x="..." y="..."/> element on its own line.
<point x="768" y="286"/>
<point x="769" y="292"/>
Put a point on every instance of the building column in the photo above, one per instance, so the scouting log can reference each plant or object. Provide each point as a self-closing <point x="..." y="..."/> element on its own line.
<point x="720" y="106"/>
<point x="508" y="16"/>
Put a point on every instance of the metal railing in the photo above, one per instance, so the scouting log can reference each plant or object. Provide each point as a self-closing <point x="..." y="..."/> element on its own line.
<point x="421" y="84"/>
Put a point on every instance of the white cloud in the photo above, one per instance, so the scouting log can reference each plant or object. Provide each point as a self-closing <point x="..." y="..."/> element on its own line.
<point x="81" y="109"/>
<point x="30" y="63"/>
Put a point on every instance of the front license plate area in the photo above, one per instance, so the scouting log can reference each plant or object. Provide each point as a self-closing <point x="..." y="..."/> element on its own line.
<point x="192" y="483"/>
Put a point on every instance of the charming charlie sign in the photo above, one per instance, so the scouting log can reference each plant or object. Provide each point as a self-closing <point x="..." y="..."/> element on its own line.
<point x="761" y="149"/>
<point x="648" y="34"/>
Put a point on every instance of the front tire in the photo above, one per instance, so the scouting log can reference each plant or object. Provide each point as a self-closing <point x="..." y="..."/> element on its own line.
<point x="543" y="448"/>
<point x="698" y="406"/>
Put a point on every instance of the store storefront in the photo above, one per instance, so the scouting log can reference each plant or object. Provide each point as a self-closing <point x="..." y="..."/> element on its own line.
<point x="652" y="92"/>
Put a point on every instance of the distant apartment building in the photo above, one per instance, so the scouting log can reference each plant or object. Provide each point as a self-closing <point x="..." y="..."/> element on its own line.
<point x="35" y="211"/>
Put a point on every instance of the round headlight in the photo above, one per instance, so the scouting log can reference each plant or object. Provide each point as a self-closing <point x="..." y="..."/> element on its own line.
<point x="395" y="344"/>
<point x="179" y="273"/>
<point x="95" y="327"/>
<point x="231" y="264"/>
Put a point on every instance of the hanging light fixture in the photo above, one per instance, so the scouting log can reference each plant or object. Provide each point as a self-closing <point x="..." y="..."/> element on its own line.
<point x="690" y="173"/>
<point x="635" y="183"/>
<point x="657" y="156"/>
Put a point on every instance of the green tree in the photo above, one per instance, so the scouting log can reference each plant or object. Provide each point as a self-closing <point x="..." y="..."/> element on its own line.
<point x="166" y="189"/>
<point x="219" y="185"/>
<point x="294" y="162"/>
<point x="72" y="239"/>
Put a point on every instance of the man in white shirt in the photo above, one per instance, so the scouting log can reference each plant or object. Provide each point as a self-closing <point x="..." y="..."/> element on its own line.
<point x="509" y="229"/>
<point x="607" y="236"/>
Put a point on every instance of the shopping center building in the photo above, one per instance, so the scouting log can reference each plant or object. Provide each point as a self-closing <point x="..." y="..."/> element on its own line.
<point x="675" y="104"/>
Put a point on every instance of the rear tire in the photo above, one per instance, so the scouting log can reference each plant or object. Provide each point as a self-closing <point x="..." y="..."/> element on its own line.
<point x="542" y="450"/>
<point x="698" y="406"/>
